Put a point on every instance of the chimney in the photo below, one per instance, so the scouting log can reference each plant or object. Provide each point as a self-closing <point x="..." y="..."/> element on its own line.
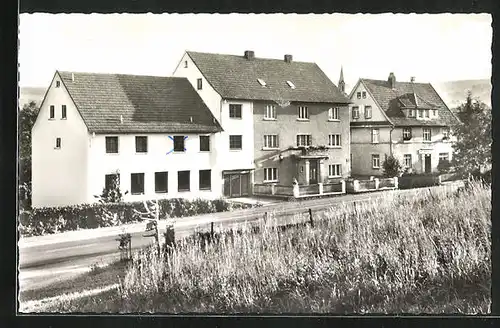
<point x="288" y="58"/>
<point x="72" y="77"/>
<point x="249" y="54"/>
<point x="392" y="80"/>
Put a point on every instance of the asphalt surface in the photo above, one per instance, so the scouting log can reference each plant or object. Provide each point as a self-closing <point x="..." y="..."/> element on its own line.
<point x="46" y="259"/>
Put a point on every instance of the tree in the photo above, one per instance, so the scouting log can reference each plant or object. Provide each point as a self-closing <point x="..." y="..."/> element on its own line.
<point x="444" y="166"/>
<point x="112" y="194"/>
<point x="392" y="167"/>
<point x="27" y="118"/>
<point x="472" y="150"/>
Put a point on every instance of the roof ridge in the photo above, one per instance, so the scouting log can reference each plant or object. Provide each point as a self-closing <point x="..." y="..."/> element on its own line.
<point x="120" y="74"/>
<point x="241" y="56"/>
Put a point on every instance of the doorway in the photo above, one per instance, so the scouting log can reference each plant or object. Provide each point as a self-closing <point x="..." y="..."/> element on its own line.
<point x="427" y="163"/>
<point x="236" y="185"/>
<point x="313" y="171"/>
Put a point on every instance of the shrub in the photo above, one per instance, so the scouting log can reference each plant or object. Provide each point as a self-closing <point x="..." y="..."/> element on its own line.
<point x="444" y="166"/>
<point x="49" y="220"/>
<point x="392" y="167"/>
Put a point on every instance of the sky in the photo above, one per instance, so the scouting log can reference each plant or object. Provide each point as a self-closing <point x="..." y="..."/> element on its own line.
<point x="432" y="48"/>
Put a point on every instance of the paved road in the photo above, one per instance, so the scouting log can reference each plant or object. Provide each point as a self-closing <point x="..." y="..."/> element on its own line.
<point x="45" y="259"/>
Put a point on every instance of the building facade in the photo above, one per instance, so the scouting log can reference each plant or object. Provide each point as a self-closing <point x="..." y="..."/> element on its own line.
<point x="405" y="119"/>
<point x="283" y="121"/>
<point x="154" y="133"/>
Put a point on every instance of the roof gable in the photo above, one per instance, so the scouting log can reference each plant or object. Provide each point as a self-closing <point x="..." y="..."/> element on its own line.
<point x="118" y="103"/>
<point x="235" y="77"/>
<point x="409" y="95"/>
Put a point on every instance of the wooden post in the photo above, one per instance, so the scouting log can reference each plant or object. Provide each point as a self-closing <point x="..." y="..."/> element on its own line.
<point x="265" y="217"/>
<point x="311" y="218"/>
<point x="212" y="229"/>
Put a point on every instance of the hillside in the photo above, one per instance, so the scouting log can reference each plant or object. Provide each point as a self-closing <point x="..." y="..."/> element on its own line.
<point x="454" y="93"/>
<point x="27" y="94"/>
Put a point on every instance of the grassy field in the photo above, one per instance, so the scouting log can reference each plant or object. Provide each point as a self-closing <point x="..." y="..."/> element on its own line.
<point x="426" y="254"/>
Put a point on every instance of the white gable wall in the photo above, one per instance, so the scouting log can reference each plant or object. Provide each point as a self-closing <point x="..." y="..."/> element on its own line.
<point x="377" y="114"/>
<point x="59" y="175"/>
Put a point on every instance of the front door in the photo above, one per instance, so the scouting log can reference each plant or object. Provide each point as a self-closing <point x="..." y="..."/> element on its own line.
<point x="313" y="171"/>
<point x="427" y="163"/>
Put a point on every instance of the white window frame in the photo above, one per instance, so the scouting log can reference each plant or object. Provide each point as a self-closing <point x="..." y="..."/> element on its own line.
<point x="420" y="113"/>
<point x="58" y="143"/>
<point x="363" y="94"/>
<point x="58" y="84"/>
<point x="303" y="110"/>
<point x="240" y="106"/>
<point x="406" y="158"/>
<point x="334" y="141"/>
<point x="268" y="144"/>
<point x="333" y="114"/>
<point x="445" y="156"/>
<point x="358" y="94"/>
<point x="306" y="138"/>
<point x="368" y="109"/>
<point x="335" y="170"/>
<point x="412" y="113"/>
<point x="446" y="133"/>
<point x="424" y="130"/>
<point x="271" y="174"/>
<point x="270" y="109"/>
<point x="376" y="161"/>
<point x="376" y="132"/>
<point x="407" y="131"/>
<point x="427" y="113"/>
<point x="355" y="111"/>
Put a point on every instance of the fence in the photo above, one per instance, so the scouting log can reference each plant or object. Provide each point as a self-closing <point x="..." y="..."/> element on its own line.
<point x="299" y="191"/>
<point x="355" y="186"/>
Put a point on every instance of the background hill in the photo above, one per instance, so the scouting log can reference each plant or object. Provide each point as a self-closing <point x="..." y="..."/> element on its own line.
<point x="454" y="93"/>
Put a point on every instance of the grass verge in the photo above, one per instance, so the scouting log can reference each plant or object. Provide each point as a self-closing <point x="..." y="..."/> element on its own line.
<point x="427" y="253"/>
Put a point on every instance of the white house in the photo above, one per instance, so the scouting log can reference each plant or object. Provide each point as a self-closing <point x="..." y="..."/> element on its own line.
<point x="155" y="132"/>
<point x="406" y="119"/>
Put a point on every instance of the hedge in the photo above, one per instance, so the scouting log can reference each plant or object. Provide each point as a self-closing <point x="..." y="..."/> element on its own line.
<point x="49" y="220"/>
<point x="418" y="181"/>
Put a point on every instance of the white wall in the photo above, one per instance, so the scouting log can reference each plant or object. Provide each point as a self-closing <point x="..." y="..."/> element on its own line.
<point x="59" y="175"/>
<point x="377" y="114"/>
<point x="127" y="161"/>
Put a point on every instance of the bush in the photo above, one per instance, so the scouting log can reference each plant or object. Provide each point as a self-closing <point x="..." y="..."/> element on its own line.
<point x="417" y="181"/>
<point x="392" y="167"/>
<point x="444" y="166"/>
<point x="49" y="220"/>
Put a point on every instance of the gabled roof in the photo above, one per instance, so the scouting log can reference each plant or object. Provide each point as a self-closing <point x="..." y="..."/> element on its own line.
<point x="147" y="104"/>
<point x="235" y="77"/>
<point x="409" y="95"/>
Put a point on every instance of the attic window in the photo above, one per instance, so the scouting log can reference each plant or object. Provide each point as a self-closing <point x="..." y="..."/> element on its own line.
<point x="261" y="82"/>
<point x="58" y="84"/>
<point x="290" y="84"/>
<point x="185" y="64"/>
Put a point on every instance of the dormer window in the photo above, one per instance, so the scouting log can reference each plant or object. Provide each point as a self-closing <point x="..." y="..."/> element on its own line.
<point x="412" y="113"/>
<point x="261" y="82"/>
<point x="434" y="112"/>
<point x="420" y="113"/>
<point x="426" y="113"/>
<point x="290" y="84"/>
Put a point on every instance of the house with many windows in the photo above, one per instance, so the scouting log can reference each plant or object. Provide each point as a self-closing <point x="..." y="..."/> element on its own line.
<point x="283" y="120"/>
<point x="155" y="133"/>
<point x="406" y="119"/>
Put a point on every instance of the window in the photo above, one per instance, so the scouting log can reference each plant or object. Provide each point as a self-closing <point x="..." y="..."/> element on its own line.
<point x="334" y="170"/>
<point x="303" y="113"/>
<point x="110" y="180"/>
<point x="420" y="113"/>
<point x="333" y="113"/>
<point x="375" y="135"/>
<point x="58" y="143"/>
<point x="185" y="64"/>
<point x="235" y="142"/>
<point x="261" y="82"/>
<point x="355" y="112"/>
<point x="183" y="181"/>
<point x="427" y="134"/>
<point x="368" y="111"/>
<point x="444" y="157"/>
<point x="270" y="174"/>
<point x="137" y="183"/>
<point x="58" y="84"/>
<point x="406" y="133"/>
<point x="412" y="113"/>
<point x="426" y="113"/>
<point x="446" y="133"/>
<point x="271" y="141"/>
<point x="63" y="111"/>
<point x="270" y="112"/>
<point x="179" y="144"/>
<point x="334" y="140"/>
<point x="364" y="94"/>
<point x="199" y="84"/>
<point x="290" y="84"/>
<point x="141" y="144"/>
<point x="235" y="111"/>
<point x="52" y="112"/>
<point x="358" y="94"/>
<point x="204" y="143"/>
<point x="205" y="180"/>
<point x="304" y="140"/>
<point x="375" y="161"/>
<point x="434" y="112"/>
<point x="112" y="145"/>
<point x="407" y="160"/>
<point x="161" y="182"/>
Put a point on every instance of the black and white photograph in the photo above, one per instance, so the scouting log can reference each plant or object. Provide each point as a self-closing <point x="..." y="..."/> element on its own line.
<point x="255" y="163"/>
